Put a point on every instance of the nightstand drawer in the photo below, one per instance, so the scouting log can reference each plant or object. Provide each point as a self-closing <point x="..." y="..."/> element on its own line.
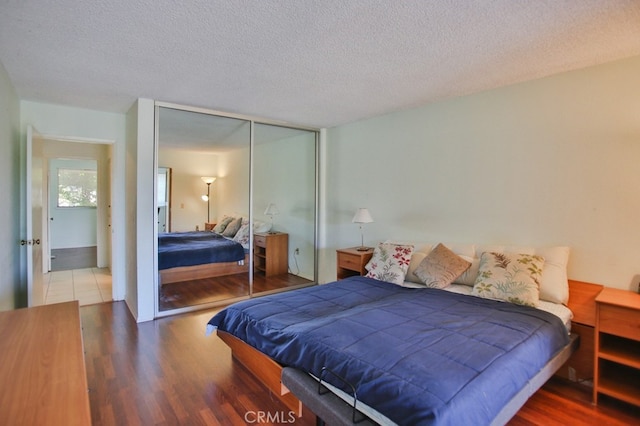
<point x="620" y="321"/>
<point x="350" y="261"/>
<point x="259" y="240"/>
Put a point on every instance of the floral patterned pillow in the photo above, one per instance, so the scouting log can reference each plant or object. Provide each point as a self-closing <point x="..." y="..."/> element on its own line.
<point x="510" y="277"/>
<point x="390" y="262"/>
<point x="242" y="236"/>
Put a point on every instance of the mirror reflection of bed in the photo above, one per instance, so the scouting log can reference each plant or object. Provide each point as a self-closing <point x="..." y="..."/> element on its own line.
<point x="278" y="169"/>
<point x="199" y="267"/>
<point x="210" y="290"/>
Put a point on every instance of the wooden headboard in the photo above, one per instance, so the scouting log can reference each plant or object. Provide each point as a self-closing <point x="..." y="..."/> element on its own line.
<point x="582" y="301"/>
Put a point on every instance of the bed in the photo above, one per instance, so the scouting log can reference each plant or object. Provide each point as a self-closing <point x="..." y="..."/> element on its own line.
<point x="414" y="355"/>
<point x="474" y="355"/>
<point x="184" y="256"/>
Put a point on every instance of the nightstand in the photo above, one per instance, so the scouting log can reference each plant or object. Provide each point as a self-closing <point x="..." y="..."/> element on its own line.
<point x="208" y="226"/>
<point x="352" y="261"/>
<point x="617" y="344"/>
<point x="270" y="253"/>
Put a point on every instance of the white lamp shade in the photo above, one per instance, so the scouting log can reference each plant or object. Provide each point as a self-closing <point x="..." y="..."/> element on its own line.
<point x="271" y="210"/>
<point x="362" y="216"/>
<point x="208" y="179"/>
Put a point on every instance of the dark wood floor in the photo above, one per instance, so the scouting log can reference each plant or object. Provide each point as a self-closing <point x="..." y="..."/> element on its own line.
<point x="167" y="372"/>
<point x="208" y="290"/>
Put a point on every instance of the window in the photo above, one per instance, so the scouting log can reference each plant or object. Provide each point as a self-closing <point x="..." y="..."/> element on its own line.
<point x="77" y="188"/>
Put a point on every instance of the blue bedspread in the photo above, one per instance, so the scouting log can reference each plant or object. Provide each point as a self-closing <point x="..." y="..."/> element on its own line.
<point x="418" y="356"/>
<point x="196" y="248"/>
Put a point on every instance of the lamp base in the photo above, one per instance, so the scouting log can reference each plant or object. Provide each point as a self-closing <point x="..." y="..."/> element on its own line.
<point x="363" y="248"/>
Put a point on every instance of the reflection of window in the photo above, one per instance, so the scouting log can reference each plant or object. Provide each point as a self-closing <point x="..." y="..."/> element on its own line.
<point x="162" y="187"/>
<point x="77" y="188"/>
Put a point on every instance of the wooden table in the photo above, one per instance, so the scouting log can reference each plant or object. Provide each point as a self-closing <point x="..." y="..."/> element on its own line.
<point x="42" y="370"/>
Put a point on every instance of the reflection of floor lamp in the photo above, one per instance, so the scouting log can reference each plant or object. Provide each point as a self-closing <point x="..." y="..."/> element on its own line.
<point x="271" y="211"/>
<point x="361" y="217"/>
<point x="208" y="180"/>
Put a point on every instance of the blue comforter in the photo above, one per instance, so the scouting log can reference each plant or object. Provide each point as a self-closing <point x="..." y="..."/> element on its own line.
<point x="196" y="248"/>
<point x="418" y="356"/>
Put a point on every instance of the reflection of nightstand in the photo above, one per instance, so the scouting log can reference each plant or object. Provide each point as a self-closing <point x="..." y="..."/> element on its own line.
<point x="270" y="253"/>
<point x="209" y="226"/>
<point x="351" y="262"/>
<point x="617" y="360"/>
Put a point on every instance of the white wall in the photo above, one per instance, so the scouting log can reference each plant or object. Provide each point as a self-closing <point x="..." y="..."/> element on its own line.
<point x="187" y="167"/>
<point x="547" y="162"/>
<point x="63" y="122"/>
<point x="12" y="285"/>
<point x="232" y="184"/>
<point x="140" y="200"/>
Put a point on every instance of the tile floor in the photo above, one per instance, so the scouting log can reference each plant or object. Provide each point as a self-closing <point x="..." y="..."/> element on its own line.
<point x="88" y="286"/>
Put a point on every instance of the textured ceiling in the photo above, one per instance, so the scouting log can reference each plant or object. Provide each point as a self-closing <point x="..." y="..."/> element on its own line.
<point x="316" y="63"/>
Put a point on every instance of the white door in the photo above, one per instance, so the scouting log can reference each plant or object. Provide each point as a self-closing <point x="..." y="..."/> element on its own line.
<point x="34" y="183"/>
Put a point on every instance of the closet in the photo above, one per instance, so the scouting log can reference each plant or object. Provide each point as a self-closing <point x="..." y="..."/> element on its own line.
<point x="255" y="177"/>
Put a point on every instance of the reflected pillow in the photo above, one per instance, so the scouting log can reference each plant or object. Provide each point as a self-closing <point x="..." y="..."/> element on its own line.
<point x="260" y="227"/>
<point x="232" y="228"/>
<point x="242" y="236"/>
<point x="221" y="226"/>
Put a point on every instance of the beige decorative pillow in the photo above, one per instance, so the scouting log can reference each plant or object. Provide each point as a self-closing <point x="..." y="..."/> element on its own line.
<point x="440" y="267"/>
<point x="390" y="262"/>
<point x="510" y="277"/>
<point x="222" y="225"/>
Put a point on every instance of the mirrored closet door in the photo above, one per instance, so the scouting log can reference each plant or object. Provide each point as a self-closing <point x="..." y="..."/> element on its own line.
<point x="284" y="197"/>
<point x="236" y="208"/>
<point x="208" y="156"/>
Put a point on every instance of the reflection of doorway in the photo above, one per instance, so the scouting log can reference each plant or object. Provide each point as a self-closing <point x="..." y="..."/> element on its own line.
<point x="164" y="199"/>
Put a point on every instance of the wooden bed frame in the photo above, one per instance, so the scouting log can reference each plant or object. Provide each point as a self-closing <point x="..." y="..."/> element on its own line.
<point x="581" y="302"/>
<point x="198" y="272"/>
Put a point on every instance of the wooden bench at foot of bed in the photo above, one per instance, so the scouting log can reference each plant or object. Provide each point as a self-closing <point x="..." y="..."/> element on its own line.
<point x="199" y="272"/>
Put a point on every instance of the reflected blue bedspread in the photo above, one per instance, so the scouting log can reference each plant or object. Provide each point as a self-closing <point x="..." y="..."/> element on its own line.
<point x="196" y="248"/>
<point x="418" y="356"/>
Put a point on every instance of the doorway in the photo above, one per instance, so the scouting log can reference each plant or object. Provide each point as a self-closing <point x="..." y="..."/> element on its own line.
<point x="76" y="228"/>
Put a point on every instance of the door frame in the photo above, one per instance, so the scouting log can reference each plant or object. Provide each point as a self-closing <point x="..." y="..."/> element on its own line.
<point x="106" y="188"/>
<point x="34" y="228"/>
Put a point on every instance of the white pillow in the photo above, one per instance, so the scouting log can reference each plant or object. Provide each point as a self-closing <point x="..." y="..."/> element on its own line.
<point x="261" y="227"/>
<point x="555" y="284"/>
